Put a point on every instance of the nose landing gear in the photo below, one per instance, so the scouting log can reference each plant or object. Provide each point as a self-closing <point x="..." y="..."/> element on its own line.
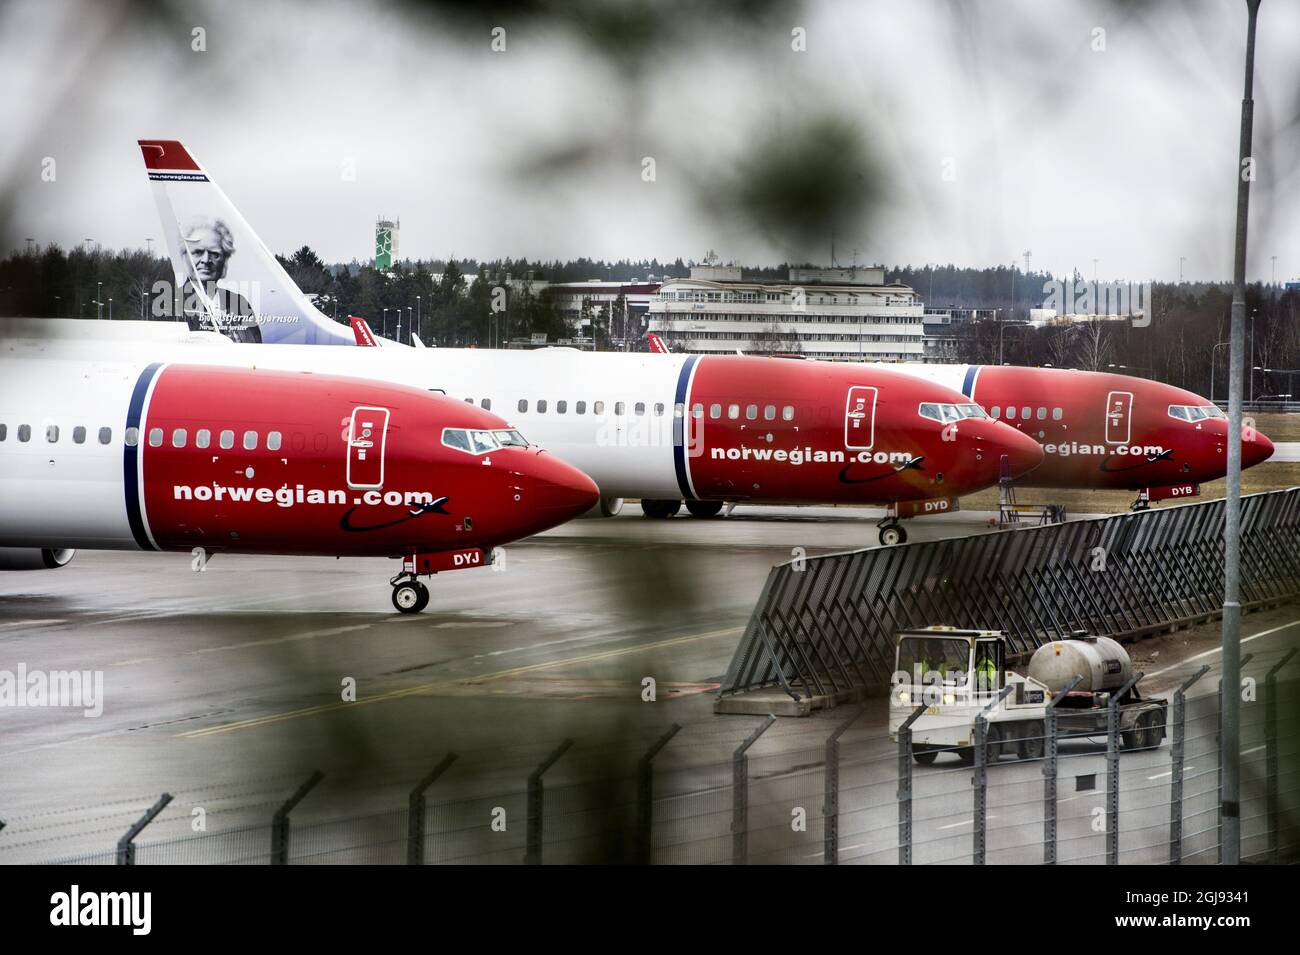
<point x="409" y="594"/>
<point x="891" y="532"/>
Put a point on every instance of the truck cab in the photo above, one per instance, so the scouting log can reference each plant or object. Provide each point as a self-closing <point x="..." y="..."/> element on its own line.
<point x="956" y="674"/>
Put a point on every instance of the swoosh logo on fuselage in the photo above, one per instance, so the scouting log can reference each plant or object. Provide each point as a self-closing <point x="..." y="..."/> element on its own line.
<point x="436" y="507"/>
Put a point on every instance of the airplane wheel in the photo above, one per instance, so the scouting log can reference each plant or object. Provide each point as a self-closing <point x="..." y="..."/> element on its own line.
<point x="610" y="506"/>
<point x="892" y="534"/>
<point x="704" y="508"/>
<point x="407" y="597"/>
<point x="660" y="509"/>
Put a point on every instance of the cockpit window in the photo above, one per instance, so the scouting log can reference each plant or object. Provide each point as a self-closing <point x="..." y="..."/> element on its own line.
<point x="946" y="414"/>
<point x="510" y="439"/>
<point x="456" y="438"/>
<point x="479" y="442"/>
<point x="1195" y="412"/>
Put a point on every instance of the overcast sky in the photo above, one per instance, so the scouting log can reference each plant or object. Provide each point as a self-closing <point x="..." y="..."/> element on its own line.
<point x="1125" y="154"/>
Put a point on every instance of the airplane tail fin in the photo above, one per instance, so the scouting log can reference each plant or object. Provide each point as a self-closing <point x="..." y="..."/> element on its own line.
<point x="656" y="344"/>
<point x="227" y="280"/>
<point x="361" y="330"/>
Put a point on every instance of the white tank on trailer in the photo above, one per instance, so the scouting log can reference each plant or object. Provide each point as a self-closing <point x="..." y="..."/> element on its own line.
<point x="1101" y="661"/>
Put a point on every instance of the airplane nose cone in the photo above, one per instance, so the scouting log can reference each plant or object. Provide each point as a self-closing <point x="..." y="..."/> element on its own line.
<point x="1023" y="453"/>
<point x="1255" y="447"/>
<point x="560" y="491"/>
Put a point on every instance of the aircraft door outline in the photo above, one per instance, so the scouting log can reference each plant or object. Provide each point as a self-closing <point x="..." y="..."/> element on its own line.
<point x="367" y="435"/>
<point x="1119" y="417"/>
<point x="860" y="417"/>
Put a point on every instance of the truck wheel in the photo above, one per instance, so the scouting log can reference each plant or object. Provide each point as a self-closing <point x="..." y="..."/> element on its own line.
<point x="992" y="743"/>
<point x="925" y="756"/>
<point x="1132" y="739"/>
<point x="1031" y="741"/>
<point x="966" y="754"/>
<point x="1151" y="730"/>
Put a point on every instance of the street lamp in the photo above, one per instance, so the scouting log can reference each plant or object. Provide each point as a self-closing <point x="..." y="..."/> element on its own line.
<point x="99" y="305"/>
<point x="417" y="316"/>
<point x="110" y="308"/>
<point x="1212" y="351"/>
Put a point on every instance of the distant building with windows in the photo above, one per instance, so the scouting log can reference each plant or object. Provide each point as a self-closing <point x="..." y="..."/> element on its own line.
<point x="840" y="314"/>
<point x="582" y="302"/>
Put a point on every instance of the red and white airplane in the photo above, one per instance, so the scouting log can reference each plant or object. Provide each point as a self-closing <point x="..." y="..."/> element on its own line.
<point x="128" y="454"/>
<point x="1097" y="430"/>
<point x="1103" y="431"/>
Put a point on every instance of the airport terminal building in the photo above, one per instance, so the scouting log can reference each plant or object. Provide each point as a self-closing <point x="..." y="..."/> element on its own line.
<point x="846" y="314"/>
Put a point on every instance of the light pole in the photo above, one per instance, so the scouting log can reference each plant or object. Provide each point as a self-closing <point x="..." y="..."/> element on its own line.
<point x="1230" y="719"/>
<point x="1181" y="260"/>
<point x="110" y="308"/>
<point x="417" y="316"/>
<point x="385" y="323"/>
<point x="99" y="304"/>
<point x="1212" y="351"/>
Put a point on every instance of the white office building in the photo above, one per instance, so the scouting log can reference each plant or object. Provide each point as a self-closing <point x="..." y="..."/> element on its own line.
<point x="837" y="314"/>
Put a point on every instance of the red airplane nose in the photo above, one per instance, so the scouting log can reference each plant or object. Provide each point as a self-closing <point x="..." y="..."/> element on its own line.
<point x="560" y="491"/>
<point x="1023" y="453"/>
<point x="1255" y="447"/>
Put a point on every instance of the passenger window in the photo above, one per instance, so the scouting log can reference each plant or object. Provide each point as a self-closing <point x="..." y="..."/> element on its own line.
<point x="1057" y="414"/>
<point x="52" y="433"/>
<point x="541" y="406"/>
<point x="105" y="435"/>
<point x="4" y="431"/>
<point x="769" y="412"/>
<point x="733" y="412"/>
<point x="250" y="440"/>
<point x="179" y="437"/>
<point x="580" y="407"/>
<point x="523" y="405"/>
<point x="620" y="408"/>
<point x="1042" y="414"/>
<point x="598" y="408"/>
<point x="659" y="409"/>
<point x="561" y="407"/>
<point x="995" y="411"/>
<point x="697" y="410"/>
<point x="155" y="437"/>
<point x="486" y="404"/>
<point x="79" y="435"/>
<point x="24" y="432"/>
<point x="273" y="441"/>
<point x="788" y="412"/>
<point x="715" y="411"/>
<point x="228" y="440"/>
<point x="132" y="437"/>
<point x="202" y="438"/>
<point x="639" y="408"/>
<point x="299" y="441"/>
<point x="319" y="442"/>
<point x="469" y="401"/>
<point x="1026" y="412"/>
<point x="1011" y="412"/>
<point x="751" y="412"/>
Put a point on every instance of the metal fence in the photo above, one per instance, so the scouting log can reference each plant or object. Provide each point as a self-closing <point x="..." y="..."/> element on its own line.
<point x="824" y="627"/>
<point x="822" y="791"/>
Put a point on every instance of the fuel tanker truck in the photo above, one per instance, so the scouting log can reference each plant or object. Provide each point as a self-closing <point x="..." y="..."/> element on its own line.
<point x="957" y="674"/>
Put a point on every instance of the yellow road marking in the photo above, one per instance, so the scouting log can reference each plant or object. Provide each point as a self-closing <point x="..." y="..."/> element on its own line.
<point x="426" y="687"/>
